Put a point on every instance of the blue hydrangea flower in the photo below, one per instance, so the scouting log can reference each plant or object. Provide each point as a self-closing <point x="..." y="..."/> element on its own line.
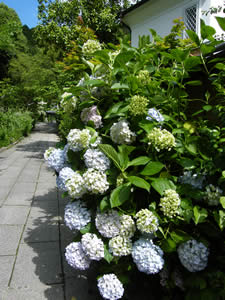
<point x="154" y="115"/>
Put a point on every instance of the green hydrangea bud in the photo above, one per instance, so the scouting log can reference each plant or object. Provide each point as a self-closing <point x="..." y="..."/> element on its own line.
<point x="146" y="221"/>
<point x="138" y="105"/>
<point x="90" y="47"/>
<point x="161" y="139"/>
<point x="170" y="203"/>
<point x="144" y="77"/>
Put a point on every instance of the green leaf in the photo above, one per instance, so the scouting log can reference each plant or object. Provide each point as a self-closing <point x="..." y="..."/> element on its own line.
<point x="194" y="37"/>
<point x="120" y="195"/>
<point x="220" y="218"/>
<point x="113" y="110"/>
<point x="124" y="151"/>
<point x="119" y="86"/>
<point x="123" y="57"/>
<point x="102" y="56"/>
<point x="200" y="214"/>
<point x="221" y="22"/>
<point x="168" y="245"/>
<point x="194" y="82"/>
<point x="223" y="174"/>
<point x="187" y="163"/>
<point x="107" y="255"/>
<point x="206" y="31"/>
<point x="111" y="153"/>
<point x="139" y="161"/>
<point x="222" y="201"/>
<point x="139" y="182"/>
<point x="162" y="184"/>
<point x="207" y="107"/>
<point x="192" y="148"/>
<point x="192" y="63"/>
<point x="94" y="82"/>
<point x="152" y="168"/>
<point x="86" y="229"/>
<point x="180" y="236"/>
<point x="104" y="204"/>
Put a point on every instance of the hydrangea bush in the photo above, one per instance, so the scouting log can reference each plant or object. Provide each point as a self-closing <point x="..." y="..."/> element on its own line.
<point x="144" y="168"/>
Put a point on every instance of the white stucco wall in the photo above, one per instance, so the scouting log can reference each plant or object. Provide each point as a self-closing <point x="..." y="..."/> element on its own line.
<point x="159" y="15"/>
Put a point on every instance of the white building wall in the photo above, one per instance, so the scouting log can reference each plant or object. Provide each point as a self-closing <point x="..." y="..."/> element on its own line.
<point x="159" y="15"/>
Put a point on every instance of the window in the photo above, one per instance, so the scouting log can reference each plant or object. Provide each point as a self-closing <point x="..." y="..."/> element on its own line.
<point x="190" y="19"/>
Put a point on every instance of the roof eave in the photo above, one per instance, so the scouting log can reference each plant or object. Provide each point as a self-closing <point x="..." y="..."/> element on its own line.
<point x="133" y="7"/>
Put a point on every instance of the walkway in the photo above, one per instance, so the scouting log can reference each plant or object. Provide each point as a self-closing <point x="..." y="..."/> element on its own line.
<point x="32" y="234"/>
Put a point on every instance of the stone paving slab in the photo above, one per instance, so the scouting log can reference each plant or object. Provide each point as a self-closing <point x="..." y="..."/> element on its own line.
<point x="9" y="238"/>
<point x="13" y="215"/>
<point x="43" y="232"/>
<point x="6" y="263"/>
<point x="46" y="292"/>
<point x="19" y="199"/>
<point x="37" y="264"/>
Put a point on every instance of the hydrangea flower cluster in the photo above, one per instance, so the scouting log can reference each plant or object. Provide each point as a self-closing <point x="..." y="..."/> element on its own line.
<point x="96" y="159"/>
<point x="68" y="101"/>
<point x="212" y="195"/>
<point x="146" y="221"/>
<point x="92" y="246"/>
<point x="56" y="159"/>
<point x="78" y="139"/>
<point x="193" y="255"/>
<point x="110" y="287"/>
<point x="95" y="181"/>
<point x="91" y="114"/>
<point x="120" y="246"/>
<point x="75" y="186"/>
<point x="48" y="152"/>
<point x="154" y="115"/>
<point x="76" y="215"/>
<point x="108" y="223"/>
<point x="76" y="257"/>
<point x="138" y="105"/>
<point x="90" y="47"/>
<point x="161" y="139"/>
<point x="64" y="175"/>
<point x="144" y="77"/>
<point x="127" y="227"/>
<point x="194" y="180"/>
<point x="121" y="134"/>
<point x="170" y="203"/>
<point x="147" y="256"/>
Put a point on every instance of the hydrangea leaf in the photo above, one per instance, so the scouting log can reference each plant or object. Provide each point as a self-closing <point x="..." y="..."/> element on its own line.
<point x="111" y="153"/>
<point x="107" y="255"/>
<point x="139" y="161"/>
<point x="120" y="195"/>
<point x="104" y="204"/>
<point x="139" y="182"/>
<point x="152" y="168"/>
<point x="180" y="236"/>
<point x="162" y="184"/>
<point x="86" y="229"/>
<point x="200" y="214"/>
<point x="222" y="201"/>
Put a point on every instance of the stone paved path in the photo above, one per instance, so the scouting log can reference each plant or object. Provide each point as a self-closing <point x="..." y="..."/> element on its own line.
<point x="32" y="234"/>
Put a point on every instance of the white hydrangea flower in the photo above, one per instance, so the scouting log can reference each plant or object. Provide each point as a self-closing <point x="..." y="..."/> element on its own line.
<point x="96" y="142"/>
<point x="147" y="256"/>
<point x="96" y="159"/>
<point x="154" y="115"/>
<point x="48" y="152"/>
<point x="121" y="134"/>
<point x="95" y="181"/>
<point x="92" y="246"/>
<point x="108" y="223"/>
<point x="56" y="159"/>
<point x="193" y="255"/>
<point x="91" y="114"/>
<point x="75" y="186"/>
<point x="110" y="287"/>
<point x="64" y="175"/>
<point x="144" y="77"/>
<point x="170" y="203"/>
<point x="127" y="228"/>
<point x="146" y="222"/>
<point x="78" y="139"/>
<point x="120" y="246"/>
<point x="90" y="47"/>
<point x="161" y="139"/>
<point x="212" y="195"/>
<point x="76" y="215"/>
<point x="76" y="257"/>
<point x="68" y="101"/>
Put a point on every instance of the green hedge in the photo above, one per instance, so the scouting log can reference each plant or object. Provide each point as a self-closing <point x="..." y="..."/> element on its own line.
<point x="14" y="125"/>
